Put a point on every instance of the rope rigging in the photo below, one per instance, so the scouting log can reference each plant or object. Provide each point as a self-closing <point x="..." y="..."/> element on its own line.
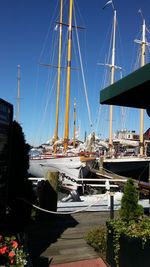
<point x="63" y="213"/>
<point x="83" y="75"/>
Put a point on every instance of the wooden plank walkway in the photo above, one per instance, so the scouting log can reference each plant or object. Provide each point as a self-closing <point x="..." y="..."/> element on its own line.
<point x="60" y="238"/>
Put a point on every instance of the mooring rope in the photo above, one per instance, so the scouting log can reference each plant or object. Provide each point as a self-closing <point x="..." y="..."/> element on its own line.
<point x="69" y="212"/>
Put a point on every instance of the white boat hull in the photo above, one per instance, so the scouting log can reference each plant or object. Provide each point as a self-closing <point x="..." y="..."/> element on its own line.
<point x="70" y="166"/>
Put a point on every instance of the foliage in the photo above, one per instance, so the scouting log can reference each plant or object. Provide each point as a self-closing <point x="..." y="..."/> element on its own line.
<point x="133" y="229"/>
<point x="11" y="253"/>
<point x="132" y="222"/>
<point x="140" y="229"/>
<point x="19" y="187"/>
<point x="96" y="237"/>
<point x="130" y="209"/>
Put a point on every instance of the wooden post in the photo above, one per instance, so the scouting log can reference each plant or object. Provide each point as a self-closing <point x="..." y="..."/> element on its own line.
<point x="101" y="160"/>
<point x="47" y="192"/>
<point x="111" y="205"/>
<point x="149" y="173"/>
<point x="149" y="202"/>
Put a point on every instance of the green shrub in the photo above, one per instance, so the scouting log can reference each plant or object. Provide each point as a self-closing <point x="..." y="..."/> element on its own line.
<point x="130" y="209"/>
<point x="19" y="187"/>
<point x="134" y="229"/>
<point x="96" y="238"/>
<point x="131" y="222"/>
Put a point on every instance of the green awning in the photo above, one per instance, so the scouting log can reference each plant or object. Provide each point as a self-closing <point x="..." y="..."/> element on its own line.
<point x="131" y="91"/>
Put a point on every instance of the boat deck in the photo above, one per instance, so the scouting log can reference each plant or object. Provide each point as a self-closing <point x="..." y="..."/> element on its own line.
<point x="59" y="240"/>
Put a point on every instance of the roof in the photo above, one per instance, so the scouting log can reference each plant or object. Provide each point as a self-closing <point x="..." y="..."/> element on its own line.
<point x="131" y="91"/>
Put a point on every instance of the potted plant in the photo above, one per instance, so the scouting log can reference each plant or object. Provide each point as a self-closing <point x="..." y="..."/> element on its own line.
<point x="11" y="253"/>
<point x="128" y="237"/>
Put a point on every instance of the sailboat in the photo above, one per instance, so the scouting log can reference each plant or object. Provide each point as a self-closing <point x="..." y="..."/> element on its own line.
<point x="69" y="165"/>
<point x="136" y="167"/>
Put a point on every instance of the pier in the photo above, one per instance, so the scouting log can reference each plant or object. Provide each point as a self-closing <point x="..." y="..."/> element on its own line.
<point x="60" y="239"/>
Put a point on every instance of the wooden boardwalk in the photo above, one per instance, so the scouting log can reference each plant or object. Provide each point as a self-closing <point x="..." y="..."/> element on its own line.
<point x="60" y="238"/>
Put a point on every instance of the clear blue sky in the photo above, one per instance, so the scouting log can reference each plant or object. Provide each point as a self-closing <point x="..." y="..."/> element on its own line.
<point x="27" y="37"/>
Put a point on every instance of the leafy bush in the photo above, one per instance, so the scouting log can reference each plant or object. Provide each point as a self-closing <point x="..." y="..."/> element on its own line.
<point x="131" y="223"/>
<point x="96" y="238"/>
<point x="130" y="209"/>
<point x="133" y="229"/>
<point x="19" y="187"/>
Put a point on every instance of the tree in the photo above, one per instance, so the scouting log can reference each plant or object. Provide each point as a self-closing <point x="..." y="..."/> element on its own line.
<point x="19" y="187"/>
<point x="130" y="209"/>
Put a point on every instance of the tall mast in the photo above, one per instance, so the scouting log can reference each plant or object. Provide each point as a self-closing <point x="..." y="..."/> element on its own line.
<point x="66" y="132"/>
<point x="112" y="81"/>
<point x="142" y="110"/>
<point x="143" y="44"/>
<point x="74" y="130"/>
<point x="18" y="96"/>
<point x="58" y="74"/>
<point x="112" y="66"/>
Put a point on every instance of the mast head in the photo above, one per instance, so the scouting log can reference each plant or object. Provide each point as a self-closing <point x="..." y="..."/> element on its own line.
<point x="141" y="14"/>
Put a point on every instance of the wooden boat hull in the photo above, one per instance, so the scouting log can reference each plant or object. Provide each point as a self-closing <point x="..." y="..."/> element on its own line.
<point x="136" y="168"/>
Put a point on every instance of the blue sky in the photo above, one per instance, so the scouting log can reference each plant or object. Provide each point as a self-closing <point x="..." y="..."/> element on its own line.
<point x="27" y="37"/>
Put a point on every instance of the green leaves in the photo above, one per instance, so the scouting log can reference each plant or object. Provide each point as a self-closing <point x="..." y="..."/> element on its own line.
<point x="130" y="209"/>
<point x="131" y="222"/>
<point x="97" y="239"/>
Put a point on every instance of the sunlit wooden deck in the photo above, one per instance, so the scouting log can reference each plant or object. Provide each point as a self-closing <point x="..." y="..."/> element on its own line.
<point x="60" y="239"/>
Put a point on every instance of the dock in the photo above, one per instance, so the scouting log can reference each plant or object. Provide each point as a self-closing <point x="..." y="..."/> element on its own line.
<point x="59" y="240"/>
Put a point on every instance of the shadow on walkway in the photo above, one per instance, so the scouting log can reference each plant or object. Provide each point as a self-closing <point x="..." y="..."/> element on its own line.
<point x="44" y="231"/>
